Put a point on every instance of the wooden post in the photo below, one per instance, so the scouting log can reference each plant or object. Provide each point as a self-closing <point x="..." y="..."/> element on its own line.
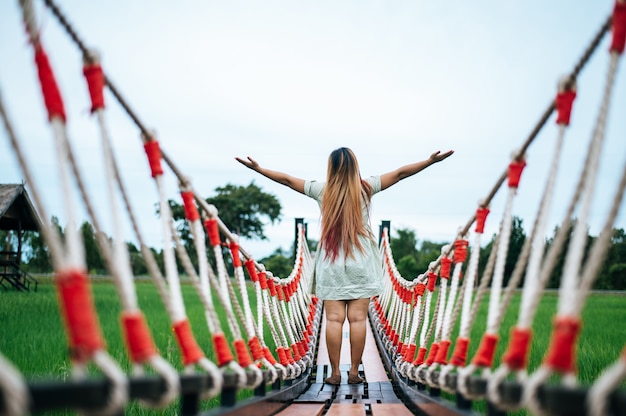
<point x="384" y="224"/>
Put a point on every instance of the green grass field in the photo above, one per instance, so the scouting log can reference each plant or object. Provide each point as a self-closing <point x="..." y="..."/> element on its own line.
<point x="33" y="337"/>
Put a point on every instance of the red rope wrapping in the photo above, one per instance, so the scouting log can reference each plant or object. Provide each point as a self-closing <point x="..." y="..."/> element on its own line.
<point x="280" y="293"/>
<point x="460" y="251"/>
<point x="79" y="314"/>
<point x="563" y="103"/>
<point x="95" y="82"/>
<point x="419" y="289"/>
<point x="486" y="351"/>
<point x="282" y="356"/>
<point x="516" y="355"/>
<point x="153" y="151"/>
<point x="619" y="27"/>
<point x="561" y="354"/>
<point x="421" y="353"/>
<point x="409" y="353"/>
<point x="444" y="272"/>
<point x="187" y="343"/>
<point x="481" y="217"/>
<point x="222" y="350"/>
<point x="442" y="353"/>
<point x="255" y="348"/>
<point x="263" y="280"/>
<point x="271" y="286"/>
<point x="290" y="359"/>
<point x="243" y="357"/>
<point x="459" y="355"/>
<point x="432" y="280"/>
<point x="49" y="87"/>
<point x="296" y="352"/>
<point x="234" y="251"/>
<point x="139" y="342"/>
<point x="396" y="338"/>
<point x="268" y="356"/>
<point x="515" y="172"/>
<point x="191" y="211"/>
<point x="252" y="270"/>
<point x="213" y="231"/>
<point x="434" y="349"/>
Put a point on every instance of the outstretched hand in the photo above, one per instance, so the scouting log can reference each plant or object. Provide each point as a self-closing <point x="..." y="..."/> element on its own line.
<point x="250" y="163"/>
<point x="438" y="156"/>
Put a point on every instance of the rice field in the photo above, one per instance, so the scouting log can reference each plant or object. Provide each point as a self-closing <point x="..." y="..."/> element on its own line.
<point x="33" y="337"/>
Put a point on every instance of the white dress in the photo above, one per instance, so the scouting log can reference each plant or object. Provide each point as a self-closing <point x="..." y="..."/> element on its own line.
<point x="348" y="278"/>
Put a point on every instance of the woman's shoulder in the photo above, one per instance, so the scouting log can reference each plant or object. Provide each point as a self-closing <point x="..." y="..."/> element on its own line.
<point x="374" y="182"/>
<point x="313" y="188"/>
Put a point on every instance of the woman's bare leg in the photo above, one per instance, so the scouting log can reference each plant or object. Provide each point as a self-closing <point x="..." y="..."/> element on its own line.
<point x="335" y="316"/>
<point x="357" y="316"/>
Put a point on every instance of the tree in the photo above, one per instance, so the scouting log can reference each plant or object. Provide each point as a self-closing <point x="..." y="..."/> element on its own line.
<point x="429" y="251"/>
<point x="556" y="275"/>
<point x="516" y="242"/>
<point x="612" y="276"/>
<point x="36" y="255"/>
<point x="278" y="263"/>
<point x="411" y="261"/>
<point x="93" y="257"/>
<point x="244" y="210"/>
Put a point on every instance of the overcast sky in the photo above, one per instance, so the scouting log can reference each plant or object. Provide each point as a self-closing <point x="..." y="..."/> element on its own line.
<point x="287" y="82"/>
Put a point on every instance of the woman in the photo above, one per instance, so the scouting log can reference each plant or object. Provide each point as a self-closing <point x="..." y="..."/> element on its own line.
<point x="348" y="270"/>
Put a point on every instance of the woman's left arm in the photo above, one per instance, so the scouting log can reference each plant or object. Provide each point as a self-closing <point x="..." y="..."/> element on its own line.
<point x="391" y="178"/>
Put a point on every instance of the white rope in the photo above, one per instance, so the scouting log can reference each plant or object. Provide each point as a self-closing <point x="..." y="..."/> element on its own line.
<point x="610" y="380"/>
<point x="569" y="296"/>
<point x="14" y="390"/>
<point x="503" y="248"/>
<point x="470" y="276"/>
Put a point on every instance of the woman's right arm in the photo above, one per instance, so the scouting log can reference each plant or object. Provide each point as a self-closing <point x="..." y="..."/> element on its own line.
<point x="292" y="182"/>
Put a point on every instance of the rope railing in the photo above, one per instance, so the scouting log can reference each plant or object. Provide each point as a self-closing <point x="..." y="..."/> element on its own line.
<point x="431" y="368"/>
<point x="290" y="314"/>
<point x="414" y="334"/>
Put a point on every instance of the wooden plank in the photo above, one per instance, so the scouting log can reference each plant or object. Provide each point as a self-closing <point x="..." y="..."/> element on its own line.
<point x="390" y="409"/>
<point x="303" y="409"/>
<point x="371" y="362"/>
<point x="346" y="409"/>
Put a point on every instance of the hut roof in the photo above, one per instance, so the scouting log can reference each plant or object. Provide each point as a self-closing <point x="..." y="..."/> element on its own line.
<point x="16" y="210"/>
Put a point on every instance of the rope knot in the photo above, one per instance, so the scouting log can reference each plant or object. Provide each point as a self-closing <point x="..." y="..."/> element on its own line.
<point x="516" y="355"/>
<point x="563" y="103"/>
<point x="561" y="355"/>
<point x="619" y="27"/>
<point x="460" y="251"/>
<point x="49" y="87"/>
<point x="459" y="355"/>
<point x="191" y="211"/>
<point x="481" y="217"/>
<point x="446" y="262"/>
<point x="515" y="172"/>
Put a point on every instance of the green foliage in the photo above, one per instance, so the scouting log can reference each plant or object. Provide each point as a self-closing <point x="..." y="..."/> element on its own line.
<point x="516" y="242"/>
<point x="243" y="209"/>
<point x="410" y="261"/>
<point x="93" y="257"/>
<point x="278" y="263"/>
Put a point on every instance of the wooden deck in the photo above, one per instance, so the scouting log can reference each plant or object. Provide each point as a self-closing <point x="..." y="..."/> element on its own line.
<point x="375" y="397"/>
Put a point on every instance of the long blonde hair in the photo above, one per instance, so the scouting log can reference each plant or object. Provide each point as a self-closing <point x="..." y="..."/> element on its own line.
<point x="342" y="220"/>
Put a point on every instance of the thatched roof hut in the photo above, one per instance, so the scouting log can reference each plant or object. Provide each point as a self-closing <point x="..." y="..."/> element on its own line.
<point x="16" y="210"/>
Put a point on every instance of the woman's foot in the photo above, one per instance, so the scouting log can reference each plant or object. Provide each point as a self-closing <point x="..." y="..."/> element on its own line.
<point x="333" y="380"/>
<point x="354" y="379"/>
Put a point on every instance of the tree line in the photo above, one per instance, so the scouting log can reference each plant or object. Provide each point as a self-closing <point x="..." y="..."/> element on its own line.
<point x="413" y="257"/>
<point x="247" y="210"/>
